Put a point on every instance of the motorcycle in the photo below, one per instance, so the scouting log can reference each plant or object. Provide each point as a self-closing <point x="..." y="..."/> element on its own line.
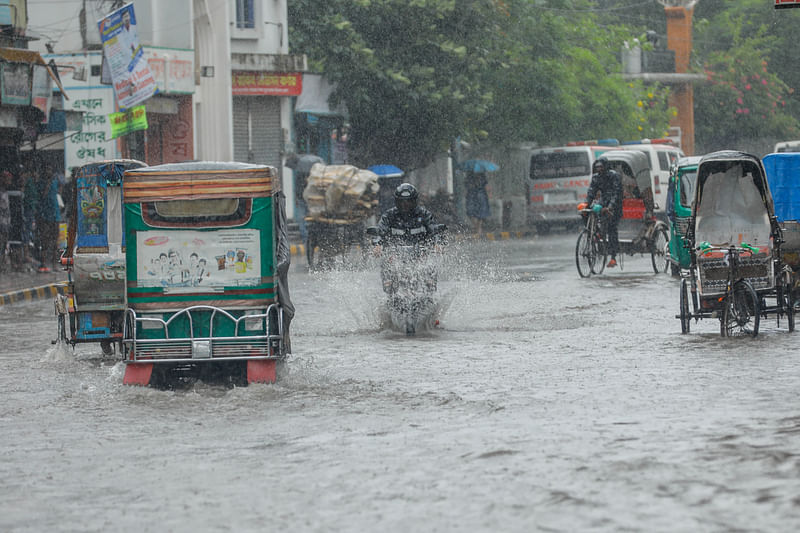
<point x="409" y="276"/>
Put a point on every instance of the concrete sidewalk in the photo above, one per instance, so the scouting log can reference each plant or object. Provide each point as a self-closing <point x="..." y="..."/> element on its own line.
<point x="26" y="286"/>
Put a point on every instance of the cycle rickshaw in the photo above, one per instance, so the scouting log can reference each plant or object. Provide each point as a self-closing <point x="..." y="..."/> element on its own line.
<point x="340" y="199"/>
<point x="783" y="176"/>
<point x="734" y="240"/>
<point x="94" y="304"/>
<point x="640" y="232"/>
<point x="207" y="262"/>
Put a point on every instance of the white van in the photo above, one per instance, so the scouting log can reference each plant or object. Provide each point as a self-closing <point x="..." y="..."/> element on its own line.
<point x="558" y="180"/>
<point x="661" y="154"/>
<point x="787" y="146"/>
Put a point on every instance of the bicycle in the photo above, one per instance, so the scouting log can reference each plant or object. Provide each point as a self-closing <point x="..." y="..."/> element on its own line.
<point x="591" y="249"/>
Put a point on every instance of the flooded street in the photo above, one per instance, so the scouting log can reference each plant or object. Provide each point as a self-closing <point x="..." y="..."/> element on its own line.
<point x="543" y="402"/>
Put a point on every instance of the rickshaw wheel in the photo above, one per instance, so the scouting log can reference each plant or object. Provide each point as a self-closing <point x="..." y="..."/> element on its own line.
<point x="741" y="314"/>
<point x="658" y="251"/>
<point x="787" y="301"/>
<point x="686" y="317"/>
<point x="585" y="254"/>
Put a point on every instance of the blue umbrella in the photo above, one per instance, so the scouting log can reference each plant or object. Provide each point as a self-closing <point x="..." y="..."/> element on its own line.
<point x="386" y="171"/>
<point x="478" y="165"/>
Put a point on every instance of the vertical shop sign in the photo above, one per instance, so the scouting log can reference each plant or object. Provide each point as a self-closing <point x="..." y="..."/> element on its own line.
<point x="94" y="142"/>
<point x="132" y="79"/>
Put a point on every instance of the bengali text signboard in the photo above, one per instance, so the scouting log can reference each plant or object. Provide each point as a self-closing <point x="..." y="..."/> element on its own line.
<point x="246" y="83"/>
<point x="125" y="122"/>
<point x="94" y="142"/>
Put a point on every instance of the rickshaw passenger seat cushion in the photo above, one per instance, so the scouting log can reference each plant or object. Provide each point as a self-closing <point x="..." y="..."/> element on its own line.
<point x="633" y="209"/>
<point x="261" y="371"/>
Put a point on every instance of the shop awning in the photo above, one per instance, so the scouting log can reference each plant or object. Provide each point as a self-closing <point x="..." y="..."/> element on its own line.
<point x="20" y="55"/>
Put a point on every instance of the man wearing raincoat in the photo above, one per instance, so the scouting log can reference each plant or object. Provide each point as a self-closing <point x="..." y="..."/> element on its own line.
<point x="609" y="184"/>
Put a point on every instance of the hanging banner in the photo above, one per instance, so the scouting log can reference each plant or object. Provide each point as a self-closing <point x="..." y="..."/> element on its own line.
<point x="134" y="119"/>
<point x="15" y="84"/>
<point x="130" y="74"/>
<point x="42" y="90"/>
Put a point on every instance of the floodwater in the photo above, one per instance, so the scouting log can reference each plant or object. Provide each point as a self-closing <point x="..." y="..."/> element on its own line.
<point x="543" y="402"/>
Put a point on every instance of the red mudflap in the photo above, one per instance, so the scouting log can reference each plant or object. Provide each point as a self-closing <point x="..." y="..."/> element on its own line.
<point x="138" y="374"/>
<point x="261" y="371"/>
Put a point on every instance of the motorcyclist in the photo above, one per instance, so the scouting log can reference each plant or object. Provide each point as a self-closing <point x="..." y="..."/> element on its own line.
<point x="608" y="183"/>
<point x="407" y="223"/>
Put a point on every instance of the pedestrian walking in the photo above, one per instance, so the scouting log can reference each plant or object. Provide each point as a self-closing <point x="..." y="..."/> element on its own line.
<point x="30" y="209"/>
<point x="477" y="199"/>
<point x="47" y="220"/>
<point x="5" y="216"/>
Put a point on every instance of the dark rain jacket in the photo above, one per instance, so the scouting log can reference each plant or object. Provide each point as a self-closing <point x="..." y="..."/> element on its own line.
<point x="609" y="184"/>
<point x="411" y="228"/>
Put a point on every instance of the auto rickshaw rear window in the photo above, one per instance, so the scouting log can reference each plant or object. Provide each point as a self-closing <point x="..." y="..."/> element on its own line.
<point x="215" y="211"/>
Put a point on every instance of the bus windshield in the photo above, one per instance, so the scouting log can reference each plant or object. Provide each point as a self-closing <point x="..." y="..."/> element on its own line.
<point x="550" y="165"/>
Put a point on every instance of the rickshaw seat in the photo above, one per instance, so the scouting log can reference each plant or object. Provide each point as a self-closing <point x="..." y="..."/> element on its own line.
<point x="633" y="208"/>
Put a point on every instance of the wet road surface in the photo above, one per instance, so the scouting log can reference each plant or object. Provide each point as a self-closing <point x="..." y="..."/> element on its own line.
<point x="544" y="402"/>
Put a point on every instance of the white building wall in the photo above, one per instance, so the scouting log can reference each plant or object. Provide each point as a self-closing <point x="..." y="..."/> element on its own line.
<point x="213" y="122"/>
<point x="269" y="36"/>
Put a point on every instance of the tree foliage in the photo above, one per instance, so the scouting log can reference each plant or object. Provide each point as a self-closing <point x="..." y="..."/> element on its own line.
<point x="414" y="74"/>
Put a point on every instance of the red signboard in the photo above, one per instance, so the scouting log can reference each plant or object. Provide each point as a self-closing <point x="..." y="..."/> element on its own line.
<point x="246" y="83"/>
<point x="780" y="4"/>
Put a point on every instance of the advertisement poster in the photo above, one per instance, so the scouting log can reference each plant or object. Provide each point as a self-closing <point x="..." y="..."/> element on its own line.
<point x="15" y="88"/>
<point x="130" y="74"/>
<point x="91" y="212"/>
<point x="198" y="260"/>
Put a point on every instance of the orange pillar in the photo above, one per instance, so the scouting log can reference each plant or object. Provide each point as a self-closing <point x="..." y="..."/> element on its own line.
<point x="679" y="39"/>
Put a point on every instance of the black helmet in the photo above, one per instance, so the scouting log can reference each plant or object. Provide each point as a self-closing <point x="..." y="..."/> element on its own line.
<point x="602" y="163"/>
<point x="405" y="197"/>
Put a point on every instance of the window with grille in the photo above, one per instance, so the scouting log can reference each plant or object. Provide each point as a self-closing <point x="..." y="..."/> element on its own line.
<point x="245" y="14"/>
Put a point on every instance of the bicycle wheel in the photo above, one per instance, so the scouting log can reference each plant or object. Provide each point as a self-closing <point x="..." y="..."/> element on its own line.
<point x="658" y="251"/>
<point x="786" y="301"/>
<point x="686" y="317"/>
<point x="585" y="254"/>
<point x="600" y="245"/>
<point x="741" y="315"/>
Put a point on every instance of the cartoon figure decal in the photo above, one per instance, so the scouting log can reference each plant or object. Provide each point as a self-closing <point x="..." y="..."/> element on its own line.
<point x="183" y="259"/>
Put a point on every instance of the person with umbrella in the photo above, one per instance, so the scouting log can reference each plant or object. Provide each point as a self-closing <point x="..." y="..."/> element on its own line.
<point x="301" y="165"/>
<point x="476" y="191"/>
